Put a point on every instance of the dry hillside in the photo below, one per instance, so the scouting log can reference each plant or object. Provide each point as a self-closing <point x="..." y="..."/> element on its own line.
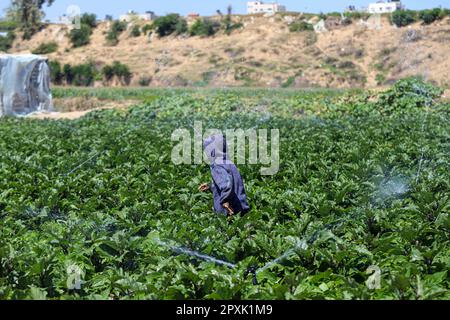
<point x="265" y="53"/>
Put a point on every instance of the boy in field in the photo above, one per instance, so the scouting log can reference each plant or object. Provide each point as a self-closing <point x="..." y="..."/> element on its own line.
<point x="227" y="185"/>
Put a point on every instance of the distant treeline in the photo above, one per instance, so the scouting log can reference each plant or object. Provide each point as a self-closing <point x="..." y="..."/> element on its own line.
<point x="402" y="18"/>
<point x="86" y="74"/>
<point x="174" y="24"/>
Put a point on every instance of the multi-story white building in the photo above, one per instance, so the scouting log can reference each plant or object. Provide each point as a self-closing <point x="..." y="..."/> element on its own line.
<point x="261" y="7"/>
<point x="147" y="16"/>
<point x="385" y="7"/>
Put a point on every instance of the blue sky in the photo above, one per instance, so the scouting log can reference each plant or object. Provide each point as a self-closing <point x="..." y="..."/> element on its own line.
<point x="207" y="7"/>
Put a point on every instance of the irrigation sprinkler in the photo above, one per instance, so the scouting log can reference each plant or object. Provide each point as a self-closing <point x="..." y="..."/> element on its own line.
<point x="180" y="250"/>
<point x="195" y="254"/>
<point x="97" y="154"/>
<point x="253" y="271"/>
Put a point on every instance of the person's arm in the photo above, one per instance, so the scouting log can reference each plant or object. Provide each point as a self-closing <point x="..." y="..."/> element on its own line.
<point x="204" y="187"/>
<point x="224" y="182"/>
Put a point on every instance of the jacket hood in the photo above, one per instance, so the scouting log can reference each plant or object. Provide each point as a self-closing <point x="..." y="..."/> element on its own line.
<point x="215" y="148"/>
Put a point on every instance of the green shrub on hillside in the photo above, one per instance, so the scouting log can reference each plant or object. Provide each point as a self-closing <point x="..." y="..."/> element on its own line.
<point x="84" y="74"/>
<point x="380" y="79"/>
<point x="122" y="71"/>
<point x="78" y="75"/>
<point x="181" y="27"/>
<point x="136" y="31"/>
<point x="445" y="13"/>
<point x="68" y="73"/>
<point x="119" y="70"/>
<point x="203" y="27"/>
<point x="402" y="18"/>
<point x="117" y="27"/>
<point x="301" y="26"/>
<point x="234" y="26"/>
<point x="46" y="48"/>
<point x="431" y="15"/>
<point x="227" y="22"/>
<point x="8" y="25"/>
<point x="357" y="15"/>
<point x="346" y="65"/>
<point x="56" y="73"/>
<point x="171" y="23"/>
<point x="333" y="14"/>
<point x="89" y="19"/>
<point x="289" y="82"/>
<point x="108" y="72"/>
<point x="80" y="36"/>
<point x="147" y="28"/>
<point x="144" y="81"/>
<point x="6" y="42"/>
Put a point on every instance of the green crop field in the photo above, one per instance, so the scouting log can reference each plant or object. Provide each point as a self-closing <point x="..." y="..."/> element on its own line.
<point x="362" y="192"/>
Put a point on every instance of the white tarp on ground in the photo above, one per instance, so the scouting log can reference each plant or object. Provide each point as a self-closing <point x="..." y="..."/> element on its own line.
<point x="24" y="85"/>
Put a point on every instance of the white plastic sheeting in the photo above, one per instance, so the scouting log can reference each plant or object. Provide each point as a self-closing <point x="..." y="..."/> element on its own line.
<point x="24" y="85"/>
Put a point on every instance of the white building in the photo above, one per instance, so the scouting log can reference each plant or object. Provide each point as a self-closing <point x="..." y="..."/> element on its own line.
<point x="385" y="7"/>
<point x="131" y="15"/>
<point x="261" y="7"/>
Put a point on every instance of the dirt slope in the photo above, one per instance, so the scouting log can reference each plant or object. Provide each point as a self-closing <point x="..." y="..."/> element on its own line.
<point x="265" y="53"/>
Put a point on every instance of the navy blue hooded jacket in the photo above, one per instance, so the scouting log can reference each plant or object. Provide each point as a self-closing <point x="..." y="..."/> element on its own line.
<point x="227" y="185"/>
